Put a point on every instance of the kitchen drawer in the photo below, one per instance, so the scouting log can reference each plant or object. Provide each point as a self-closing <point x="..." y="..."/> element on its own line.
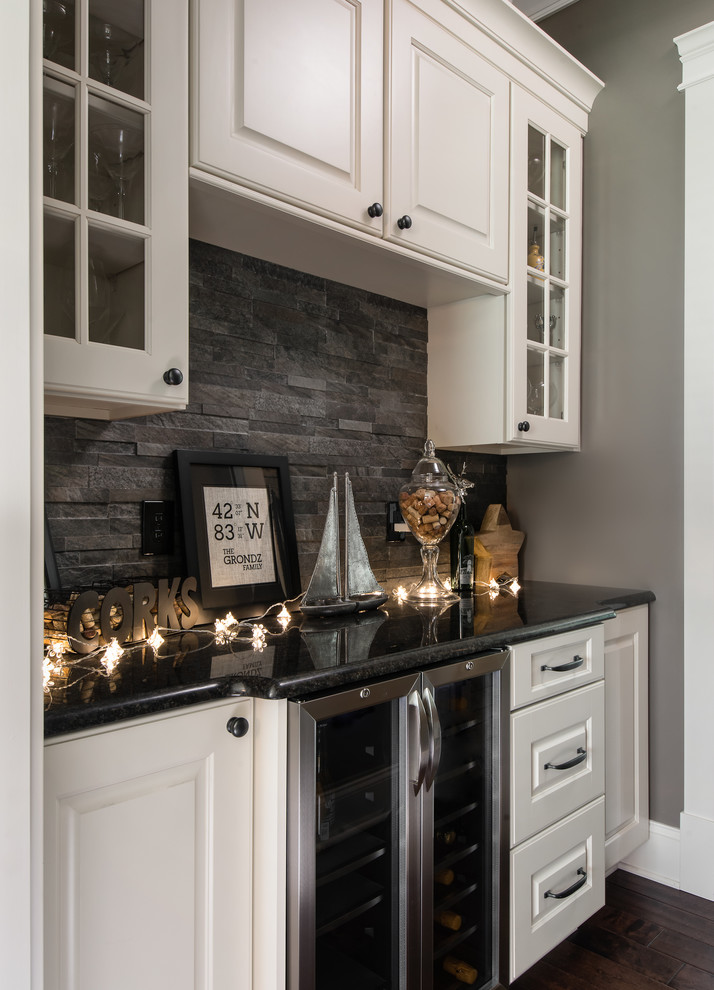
<point x="546" y="741"/>
<point x="550" y="863"/>
<point x="534" y="666"/>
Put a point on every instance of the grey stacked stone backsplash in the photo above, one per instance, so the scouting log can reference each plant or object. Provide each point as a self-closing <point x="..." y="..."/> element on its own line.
<point x="281" y="362"/>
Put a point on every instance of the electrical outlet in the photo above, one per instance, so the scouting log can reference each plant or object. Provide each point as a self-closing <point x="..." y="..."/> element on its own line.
<point x="397" y="529"/>
<point x="157" y="528"/>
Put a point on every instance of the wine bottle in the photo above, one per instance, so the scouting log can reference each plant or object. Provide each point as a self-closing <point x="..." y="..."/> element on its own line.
<point x="448" y="919"/>
<point x="444" y="877"/>
<point x="446" y="838"/>
<point x="466" y="616"/>
<point x="462" y="554"/>
<point x="461" y="970"/>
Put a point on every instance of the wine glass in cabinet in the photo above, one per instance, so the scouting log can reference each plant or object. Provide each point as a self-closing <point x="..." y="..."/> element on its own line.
<point x="115" y="148"/>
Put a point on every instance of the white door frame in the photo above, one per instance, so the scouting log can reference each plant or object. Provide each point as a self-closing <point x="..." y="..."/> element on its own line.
<point x="696" y="51"/>
<point x="21" y="516"/>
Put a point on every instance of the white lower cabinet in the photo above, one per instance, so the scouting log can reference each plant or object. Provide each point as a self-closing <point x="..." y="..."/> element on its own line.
<point x="557" y="883"/>
<point x="149" y="853"/>
<point x="626" y="729"/>
<point x="165" y="837"/>
<point x="557" y="811"/>
<point x="557" y="759"/>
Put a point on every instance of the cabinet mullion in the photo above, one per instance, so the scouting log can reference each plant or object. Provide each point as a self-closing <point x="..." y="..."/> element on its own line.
<point x="82" y="37"/>
<point x="82" y="280"/>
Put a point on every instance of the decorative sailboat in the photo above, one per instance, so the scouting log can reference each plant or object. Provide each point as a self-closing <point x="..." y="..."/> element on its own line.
<point x="326" y="594"/>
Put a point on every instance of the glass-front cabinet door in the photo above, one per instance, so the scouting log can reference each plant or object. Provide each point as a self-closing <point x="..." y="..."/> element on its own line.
<point x="114" y="146"/>
<point x="547" y="199"/>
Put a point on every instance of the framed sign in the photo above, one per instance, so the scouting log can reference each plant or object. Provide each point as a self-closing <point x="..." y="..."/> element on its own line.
<point x="239" y="529"/>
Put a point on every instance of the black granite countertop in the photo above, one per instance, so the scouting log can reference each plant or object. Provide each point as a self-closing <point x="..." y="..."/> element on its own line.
<point x="318" y="655"/>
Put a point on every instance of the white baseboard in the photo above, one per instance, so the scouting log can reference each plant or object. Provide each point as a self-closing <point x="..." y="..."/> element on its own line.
<point x="697" y="863"/>
<point x="658" y="858"/>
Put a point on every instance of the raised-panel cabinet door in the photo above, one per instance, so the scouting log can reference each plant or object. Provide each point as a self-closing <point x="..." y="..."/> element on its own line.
<point x="626" y="734"/>
<point x="448" y="145"/>
<point x="289" y="101"/>
<point x="148" y="868"/>
<point x="546" y="195"/>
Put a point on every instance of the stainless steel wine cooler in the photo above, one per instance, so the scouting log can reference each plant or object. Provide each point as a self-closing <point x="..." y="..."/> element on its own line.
<point x="394" y="850"/>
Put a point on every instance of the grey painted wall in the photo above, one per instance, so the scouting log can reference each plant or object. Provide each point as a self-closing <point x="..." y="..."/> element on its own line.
<point x="280" y="363"/>
<point x="613" y="513"/>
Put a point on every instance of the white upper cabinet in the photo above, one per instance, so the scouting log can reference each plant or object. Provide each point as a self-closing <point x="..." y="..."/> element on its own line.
<point x="547" y="249"/>
<point x="448" y="142"/>
<point x="504" y="372"/>
<point x="381" y="117"/>
<point x="428" y="150"/>
<point x="288" y="100"/>
<point x="115" y="140"/>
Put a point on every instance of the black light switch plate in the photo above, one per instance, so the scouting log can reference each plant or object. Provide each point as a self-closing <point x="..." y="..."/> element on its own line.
<point x="397" y="529"/>
<point x="157" y="528"/>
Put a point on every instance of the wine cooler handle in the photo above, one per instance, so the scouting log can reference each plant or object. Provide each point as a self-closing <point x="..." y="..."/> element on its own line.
<point x="571" y="890"/>
<point x="417" y="776"/>
<point x="569" y="763"/>
<point x="434" y="738"/>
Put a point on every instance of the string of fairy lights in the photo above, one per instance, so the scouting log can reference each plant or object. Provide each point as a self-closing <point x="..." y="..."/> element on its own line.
<point x="57" y="662"/>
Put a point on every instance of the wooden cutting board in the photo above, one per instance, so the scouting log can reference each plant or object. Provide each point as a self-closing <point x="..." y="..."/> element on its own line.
<point x="496" y="546"/>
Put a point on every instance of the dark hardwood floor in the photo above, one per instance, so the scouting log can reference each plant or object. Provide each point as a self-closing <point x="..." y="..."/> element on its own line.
<point x="646" y="937"/>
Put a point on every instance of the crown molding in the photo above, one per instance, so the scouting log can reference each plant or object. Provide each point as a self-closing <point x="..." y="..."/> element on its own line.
<point x="538" y="9"/>
<point x="696" y="53"/>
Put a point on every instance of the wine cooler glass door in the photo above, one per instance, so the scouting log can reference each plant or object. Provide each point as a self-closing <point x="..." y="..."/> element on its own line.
<point x="350" y="824"/>
<point x="461" y="810"/>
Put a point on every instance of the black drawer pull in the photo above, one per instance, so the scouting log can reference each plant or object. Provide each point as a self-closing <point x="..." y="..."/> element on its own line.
<point x="570" y="763"/>
<point x="571" y="890"/>
<point x="571" y="665"/>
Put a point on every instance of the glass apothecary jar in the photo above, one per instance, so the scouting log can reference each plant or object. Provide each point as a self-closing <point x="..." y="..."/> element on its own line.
<point x="429" y="503"/>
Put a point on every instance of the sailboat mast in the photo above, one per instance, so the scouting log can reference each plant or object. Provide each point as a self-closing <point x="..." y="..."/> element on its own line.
<point x="346" y="588"/>
<point x="336" y="516"/>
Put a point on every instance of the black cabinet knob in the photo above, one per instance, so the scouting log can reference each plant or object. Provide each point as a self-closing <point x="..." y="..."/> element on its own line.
<point x="524" y="427"/>
<point x="237" y="726"/>
<point x="375" y="210"/>
<point x="404" y="223"/>
<point x="174" y="376"/>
